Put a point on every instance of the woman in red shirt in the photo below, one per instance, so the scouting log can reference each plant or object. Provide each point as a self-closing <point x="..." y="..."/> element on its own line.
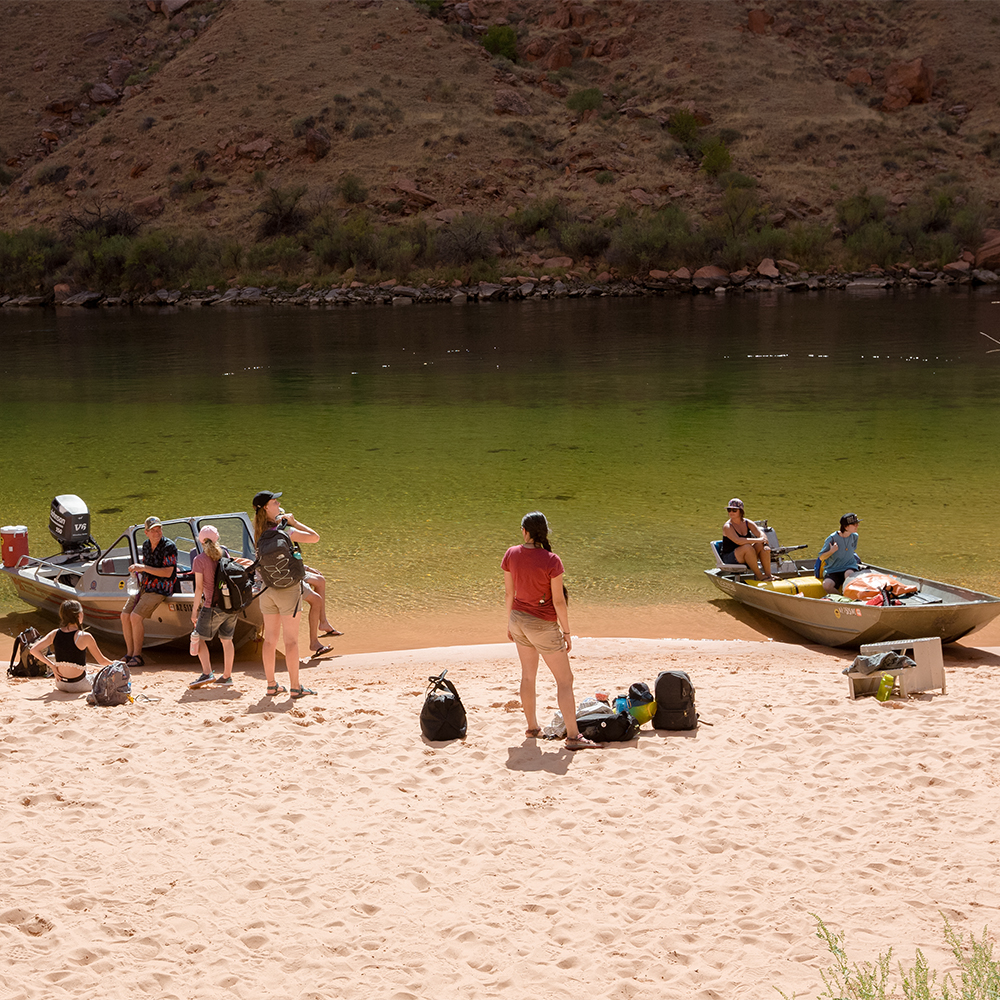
<point x="538" y="623"/>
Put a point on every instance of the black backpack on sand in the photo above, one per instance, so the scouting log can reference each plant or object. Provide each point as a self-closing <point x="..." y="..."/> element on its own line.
<point x="620" y="728"/>
<point x="443" y="714"/>
<point x="674" y="695"/>
<point x="22" y="663"/>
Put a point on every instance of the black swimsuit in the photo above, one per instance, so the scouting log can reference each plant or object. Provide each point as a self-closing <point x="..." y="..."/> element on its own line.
<point x="729" y="546"/>
<point x="67" y="651"/>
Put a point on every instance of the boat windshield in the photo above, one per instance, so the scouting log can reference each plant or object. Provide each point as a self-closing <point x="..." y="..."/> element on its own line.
<point x="234" y="535"/>
<point x="116" y="560"/>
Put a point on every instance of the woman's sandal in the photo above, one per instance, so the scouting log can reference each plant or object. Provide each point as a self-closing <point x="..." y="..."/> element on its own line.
<point x="275" y="689"/>
<point x="301" y="692"/>
<point x="582" y="743"/>
<point x="532" y="734"/>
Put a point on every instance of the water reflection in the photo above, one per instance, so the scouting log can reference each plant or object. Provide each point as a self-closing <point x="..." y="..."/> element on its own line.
<point x="414" y="439"/>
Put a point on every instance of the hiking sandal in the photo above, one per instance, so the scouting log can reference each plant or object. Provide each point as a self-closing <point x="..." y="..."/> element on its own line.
<point x="301" y="692"/>
<point x="273" y="690"/>
<point x="582" y="743"/>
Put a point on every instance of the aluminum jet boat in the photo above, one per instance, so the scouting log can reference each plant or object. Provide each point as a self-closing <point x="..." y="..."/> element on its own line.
<point x="99" y="578"/>
<point x="795" y="600"/>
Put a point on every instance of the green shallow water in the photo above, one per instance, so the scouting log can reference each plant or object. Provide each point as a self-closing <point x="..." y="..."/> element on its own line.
<point x="415" y="439"/>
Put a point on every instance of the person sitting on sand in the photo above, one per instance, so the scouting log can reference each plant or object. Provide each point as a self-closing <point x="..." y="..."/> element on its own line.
<point x="280" y="606"/>
<point x="70" y="645"/>
<point x="839" y="554"/>
<point x="209" y="619"/>
<point x="743" y="542"/>
<point x="538" y="623"/>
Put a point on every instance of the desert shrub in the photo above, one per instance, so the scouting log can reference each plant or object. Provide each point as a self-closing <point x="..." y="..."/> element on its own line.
<point x="584" y="239"/>
<point x="158" y="259"/>
<point x="28" y="258"/>
<point x="683" y="126"/>
<point x="604" y="177"/>
<point x="280" y="211"/>
<point x="968" y="223"/>
<point x="585" y="100"/>
<point x="352" y="189"/>
<point x="809" y="244"/>
<point x="655" y="239"/>
<point x="6" y="177"/>
<point x="501" y="40"/>
<point x="468" y="239"/>
<point x="740" y="210"/>
<point x="873" y="243"/>
<point x="99" y="259"/>
<point x="103" y="220"/>
<point x="859" y="210"/>
<point x="715" y="157"/>
<point x="734" y="179"/>
<point x="362" y="130"/>
<point x="978" y="972"/>
<point x="49" y="173"/>
<point x="284" y="254"/>
<point x="539" y="215"/>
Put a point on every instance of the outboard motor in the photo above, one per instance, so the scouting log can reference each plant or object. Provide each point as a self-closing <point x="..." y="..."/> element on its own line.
<point x="69" y="524"/>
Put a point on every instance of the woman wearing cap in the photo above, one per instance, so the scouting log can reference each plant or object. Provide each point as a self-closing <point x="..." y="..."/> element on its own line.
<point x="281" y="606"/>
<point x="538" y="623"/>
<point x="210" y="620"/>
<point x="839" y="554"/>
<point x="743" y="542"/>
<point x="70" y="645"/>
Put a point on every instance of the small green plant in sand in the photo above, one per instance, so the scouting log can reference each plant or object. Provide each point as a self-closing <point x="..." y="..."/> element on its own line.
<point x="978" y="976"/>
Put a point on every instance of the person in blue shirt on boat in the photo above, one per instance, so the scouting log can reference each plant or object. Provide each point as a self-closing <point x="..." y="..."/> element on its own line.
<point x="839" y="555"/>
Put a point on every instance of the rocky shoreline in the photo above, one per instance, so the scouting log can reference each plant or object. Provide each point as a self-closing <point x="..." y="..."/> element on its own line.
<point x="708" y="280"/>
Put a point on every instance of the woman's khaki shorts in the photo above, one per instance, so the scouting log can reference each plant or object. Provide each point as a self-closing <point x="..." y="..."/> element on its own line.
<point x="527" y="630"/>
<point x="281" y="602"/>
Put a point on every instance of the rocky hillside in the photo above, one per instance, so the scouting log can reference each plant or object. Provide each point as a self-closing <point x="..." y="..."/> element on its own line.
<point x="184" y="112"/>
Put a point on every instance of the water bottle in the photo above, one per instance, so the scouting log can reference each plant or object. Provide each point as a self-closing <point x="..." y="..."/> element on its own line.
<point x="194" y="642"/>
<point x="885" y="687"/>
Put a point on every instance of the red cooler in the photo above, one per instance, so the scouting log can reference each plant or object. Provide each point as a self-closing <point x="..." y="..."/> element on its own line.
<point x="15" y="543"/>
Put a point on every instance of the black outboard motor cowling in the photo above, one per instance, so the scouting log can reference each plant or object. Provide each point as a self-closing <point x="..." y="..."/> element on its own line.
<point x="69" y="523"/>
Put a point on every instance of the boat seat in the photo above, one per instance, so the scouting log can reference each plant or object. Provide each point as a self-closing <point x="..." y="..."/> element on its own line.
<point x="737" y="569"/>
<point x="927" y="675"/>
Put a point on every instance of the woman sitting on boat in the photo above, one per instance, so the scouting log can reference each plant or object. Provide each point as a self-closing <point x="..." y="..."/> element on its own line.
<point x="839" y="554"/>
<point x="70" y="645"/>
<point x="743" y="542"/>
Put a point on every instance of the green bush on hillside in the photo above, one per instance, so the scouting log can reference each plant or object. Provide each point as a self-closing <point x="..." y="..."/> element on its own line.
<point x="715" y="157"/>
<point x="654" y="240"/>
<point x="585" y="100"/>
<point x="501" y="40"/>
<point x="468" y="239"/>
<point x="584" y="239"/>
<point x="684" y="127"/>
<point x="860" y="209"/>
<point x="873" y="243"/>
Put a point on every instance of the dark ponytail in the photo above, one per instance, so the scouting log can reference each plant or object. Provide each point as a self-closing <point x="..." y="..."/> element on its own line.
<point x="537" y="528"/>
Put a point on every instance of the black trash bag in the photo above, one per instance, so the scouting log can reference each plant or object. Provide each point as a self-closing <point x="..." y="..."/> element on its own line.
<point x="443" y="714"/>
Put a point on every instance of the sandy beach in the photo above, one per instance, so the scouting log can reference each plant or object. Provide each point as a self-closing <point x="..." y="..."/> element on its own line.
<point x="216" y="843"/>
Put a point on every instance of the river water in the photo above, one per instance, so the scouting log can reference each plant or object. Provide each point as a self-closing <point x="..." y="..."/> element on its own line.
<point x="414" y="439"/>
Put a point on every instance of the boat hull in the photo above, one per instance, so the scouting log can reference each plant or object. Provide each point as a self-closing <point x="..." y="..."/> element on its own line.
<point x="957" y="612"/>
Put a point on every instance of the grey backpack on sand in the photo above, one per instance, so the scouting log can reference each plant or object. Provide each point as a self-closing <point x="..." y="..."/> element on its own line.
<point x="112" y="685"/>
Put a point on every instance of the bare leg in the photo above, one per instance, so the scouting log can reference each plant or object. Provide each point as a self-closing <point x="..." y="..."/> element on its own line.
<point x="764" y="552"/>
<point x="558" y="663"/>
<point x="138" y="633"/>
<point x="228" y="657"/>
<point x="204" y="657"/>
<point x="315" y="607"/>
<point x="290" y="632"/>
<point x="318" y="583"/>
<point x="528" y="656"/>
<point x="126" y="618"/>
<point x="272" y="629"/>
<point x="747" y="555"/>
